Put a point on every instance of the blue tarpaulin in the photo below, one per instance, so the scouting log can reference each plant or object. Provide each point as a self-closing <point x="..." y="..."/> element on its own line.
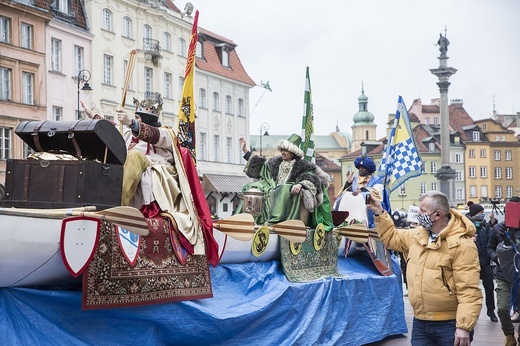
<point x="253" y="304"/>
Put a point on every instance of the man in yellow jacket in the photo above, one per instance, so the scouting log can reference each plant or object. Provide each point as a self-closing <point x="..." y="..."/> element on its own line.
<point x="442" y="272"/>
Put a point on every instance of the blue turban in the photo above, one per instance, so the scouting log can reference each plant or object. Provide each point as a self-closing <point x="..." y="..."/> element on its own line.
<point x="366" y="162"/>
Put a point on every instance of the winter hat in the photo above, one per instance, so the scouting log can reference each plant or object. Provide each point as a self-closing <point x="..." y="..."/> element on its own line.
<point x="474" y="209"/>
<point x="149" y="108"/>
<point x="292" y="145"/>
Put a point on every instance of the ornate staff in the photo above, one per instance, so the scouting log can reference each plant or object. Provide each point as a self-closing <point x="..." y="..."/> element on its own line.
<point x="129" y="70"/>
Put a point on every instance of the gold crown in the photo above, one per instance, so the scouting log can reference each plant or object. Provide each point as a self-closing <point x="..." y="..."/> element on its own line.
<point x="152" y="104"/>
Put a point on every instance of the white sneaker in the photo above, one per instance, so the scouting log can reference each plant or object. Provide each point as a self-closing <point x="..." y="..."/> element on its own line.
<point x="515" y="317"/>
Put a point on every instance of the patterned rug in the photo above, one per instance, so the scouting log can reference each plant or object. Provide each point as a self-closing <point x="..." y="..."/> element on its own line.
<point x="158" y="277"/>
<point x="309" y="264"/>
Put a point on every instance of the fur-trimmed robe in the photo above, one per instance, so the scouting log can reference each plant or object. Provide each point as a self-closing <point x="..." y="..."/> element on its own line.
<point x="308" y="174"/>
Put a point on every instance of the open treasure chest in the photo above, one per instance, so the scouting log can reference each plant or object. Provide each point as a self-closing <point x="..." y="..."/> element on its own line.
<point x="76" y="163"/>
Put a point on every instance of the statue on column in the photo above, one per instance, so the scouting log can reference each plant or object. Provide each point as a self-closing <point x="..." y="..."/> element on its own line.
<point x="443" y="44"/>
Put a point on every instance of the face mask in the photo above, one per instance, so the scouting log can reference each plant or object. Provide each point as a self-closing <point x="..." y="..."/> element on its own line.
<point x="425" y="220"/>
<point x="479" y="217"/>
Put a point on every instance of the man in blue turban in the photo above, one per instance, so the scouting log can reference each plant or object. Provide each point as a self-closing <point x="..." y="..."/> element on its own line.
<point x="361" y="182"/>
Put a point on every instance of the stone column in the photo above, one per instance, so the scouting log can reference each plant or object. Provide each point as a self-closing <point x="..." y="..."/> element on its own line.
<point x="445" y="174"/>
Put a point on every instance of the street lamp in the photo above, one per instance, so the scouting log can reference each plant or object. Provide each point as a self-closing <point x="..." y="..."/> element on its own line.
<point x="263" y="132"/>
<point x="83" y="77"/>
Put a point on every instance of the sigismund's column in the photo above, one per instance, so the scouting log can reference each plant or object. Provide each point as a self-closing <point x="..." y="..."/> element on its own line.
<point x="446" y="174"/>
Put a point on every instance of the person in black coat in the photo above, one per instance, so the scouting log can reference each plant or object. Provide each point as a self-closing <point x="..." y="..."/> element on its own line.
<point x="481" y="237"/>
<point x="501" y="249"/>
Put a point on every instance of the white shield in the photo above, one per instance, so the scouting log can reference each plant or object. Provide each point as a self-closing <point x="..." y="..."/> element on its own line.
<point x="129" y="244"/>
<point x="79" y="237"/>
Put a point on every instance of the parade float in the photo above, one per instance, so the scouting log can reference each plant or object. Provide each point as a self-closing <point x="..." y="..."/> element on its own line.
<point x="76" y="267"/>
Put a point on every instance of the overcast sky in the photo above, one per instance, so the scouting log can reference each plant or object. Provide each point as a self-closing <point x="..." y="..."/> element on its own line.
<point x="387" y="44"/>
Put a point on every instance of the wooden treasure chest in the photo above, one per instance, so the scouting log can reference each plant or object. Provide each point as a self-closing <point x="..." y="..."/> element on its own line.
<point x="93" y="177"/>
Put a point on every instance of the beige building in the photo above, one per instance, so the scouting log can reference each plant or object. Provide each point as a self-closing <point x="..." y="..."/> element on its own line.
<point x="23" y="84"/>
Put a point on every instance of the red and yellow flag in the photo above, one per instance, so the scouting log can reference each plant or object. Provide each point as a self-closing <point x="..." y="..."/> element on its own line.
<point x="186" y="124"/>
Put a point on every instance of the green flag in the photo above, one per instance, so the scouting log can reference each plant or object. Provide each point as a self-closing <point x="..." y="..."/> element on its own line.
<point x="307" y="144"/>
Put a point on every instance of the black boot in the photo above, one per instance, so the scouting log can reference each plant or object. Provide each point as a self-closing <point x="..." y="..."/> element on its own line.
<point x="492" y="316"/>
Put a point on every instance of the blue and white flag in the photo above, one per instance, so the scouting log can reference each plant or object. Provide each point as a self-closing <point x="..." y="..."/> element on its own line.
<point x="401" y="159"/>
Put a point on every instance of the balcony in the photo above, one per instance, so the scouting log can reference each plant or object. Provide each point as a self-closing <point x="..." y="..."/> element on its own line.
<point x="152" y="49"/>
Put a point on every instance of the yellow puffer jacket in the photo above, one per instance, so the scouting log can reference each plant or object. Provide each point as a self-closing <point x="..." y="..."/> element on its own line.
<point x="443" y="277"/>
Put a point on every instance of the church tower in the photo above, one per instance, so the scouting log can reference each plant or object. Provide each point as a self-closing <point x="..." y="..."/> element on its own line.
<point x="364" y="128"/>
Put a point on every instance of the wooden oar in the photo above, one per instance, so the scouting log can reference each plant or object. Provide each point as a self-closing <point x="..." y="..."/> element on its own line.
<point x="128" y="218"/>
<point x="239" y="226"/>
<point x="51" y="211"/>
<point x="357" y="232"/>
<point x="292" y="230"/>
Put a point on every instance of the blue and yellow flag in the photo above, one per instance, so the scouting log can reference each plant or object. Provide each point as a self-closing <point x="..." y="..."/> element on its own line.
<point x="307" y="144"/>
<point x="401" y="159"/>
<point x="186" y="124"/>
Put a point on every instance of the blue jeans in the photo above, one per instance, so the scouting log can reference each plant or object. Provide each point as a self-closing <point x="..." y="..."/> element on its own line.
<point x="434" y="333"/>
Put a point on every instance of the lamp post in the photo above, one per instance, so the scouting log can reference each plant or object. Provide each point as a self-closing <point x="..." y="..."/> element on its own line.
<point x="263" y="132"/>
<point x="82" y="78"/>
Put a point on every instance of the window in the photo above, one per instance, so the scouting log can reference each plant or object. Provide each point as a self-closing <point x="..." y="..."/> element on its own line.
<point x="459" y="193"/>
<point x="225" y="58"/>
<point x="63" y="6"/>
<point x="181" y="86"/>
<point x="483" y="171"/>
<point x="431" y="147"/>
<point x="459" y="175"/>
<point x="434" y="186"/>
<point x="472" y="172"/>
<point x="240" y="107"/>
<point x="509" y="155"/>
<point x="27" y="88"/>
<point x="147" y="33"/>
<point x="497" y="155"/>
<point x="148" y="75"/>
<point x="509" y="191"/>
<point x="5" y="143"/>
<point x="108" y="69"/>
<point x="57" y="113"/>
<point x="182" y="47"/>
<point x="427" y="120"/>
<point x="5" y="29"/>
<point x="229" y="151"/>
<point x="167" y="42"/>
<point x="433" y="167"/>
<point x="167" y="85"/>
<point x="459" y="158"/>
<point x="78" y="59"/>
<point x="435" y="121"/>
<point x="476" y="136"/>
<point x="26" y="39"/>
<point x="202" y="98"/>
<point x="497" y="138"/>
<point x="423" y="188"/>
<point x="484" y="126"/>
<point x="216" y="103"/>
<point x="107" y="19"/>
<point x="483" y="191"/>
<point x="503" y="138"/>
<point x="423" y="167"/>
<point x="402" y="190"/>
<point x="202" y="146"/>
<point x="198" y="52"/>
<point x="472" y="153"/>
<point x="498" y="191"/>
<point x="5" y="83"/>
<point x="473" y="191"/>
<point x="482" y="152"/>
<point x="229" y="105"/>
<point x="225" y="207"/>
<point x="509" y="173"/>
<point x="55" y="55"/>
<point x="216" y="146"/>
<point x="27" y="150"/>
<point x="127" y="27"/>
<point x="498" y="173"/>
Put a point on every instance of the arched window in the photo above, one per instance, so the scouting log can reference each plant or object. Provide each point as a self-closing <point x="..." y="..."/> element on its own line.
<point x="199" y="53"/>
<point x="167" y="44"/>
<point x="127" y="27"/>
<point x="216" y="101"/>
<point x="202" y="98"/>
<point x="182" y="47"/>
<point x="107" y="19"/>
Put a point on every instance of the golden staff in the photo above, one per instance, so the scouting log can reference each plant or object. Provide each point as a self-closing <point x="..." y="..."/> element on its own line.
<point x="129" y="70"/>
